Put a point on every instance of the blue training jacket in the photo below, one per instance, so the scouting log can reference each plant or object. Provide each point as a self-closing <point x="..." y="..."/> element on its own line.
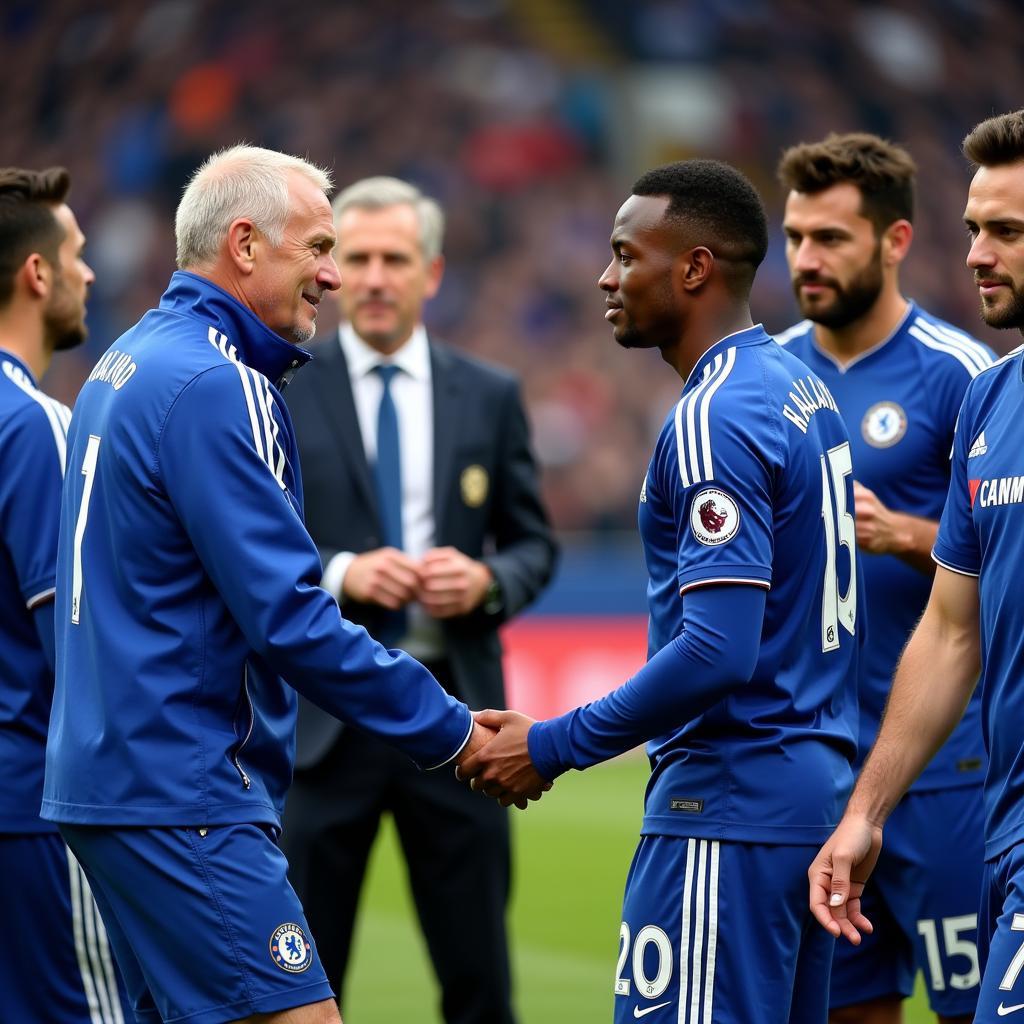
<point x="188" y="588"/>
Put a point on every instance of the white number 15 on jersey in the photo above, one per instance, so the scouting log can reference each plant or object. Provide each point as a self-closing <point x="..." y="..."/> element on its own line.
<point x="837" y="609"/>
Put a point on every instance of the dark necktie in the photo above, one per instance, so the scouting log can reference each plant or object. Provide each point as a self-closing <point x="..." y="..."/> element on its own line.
<point x="387" y="473"/>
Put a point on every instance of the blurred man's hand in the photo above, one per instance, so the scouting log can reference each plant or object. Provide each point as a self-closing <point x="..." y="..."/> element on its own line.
<point x="387" y="577"/>
<point x="451" y="583"/>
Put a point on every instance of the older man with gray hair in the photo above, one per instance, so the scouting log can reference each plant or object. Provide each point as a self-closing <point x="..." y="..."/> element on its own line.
<point x="423" y="497"/>
<point x="188" y="592"/>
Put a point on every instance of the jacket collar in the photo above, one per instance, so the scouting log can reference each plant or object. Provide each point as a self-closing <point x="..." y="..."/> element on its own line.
<point x="255" y="344"/>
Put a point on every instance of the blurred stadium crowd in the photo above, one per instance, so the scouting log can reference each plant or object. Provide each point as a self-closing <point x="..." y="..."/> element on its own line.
<point x="528" y="119"/>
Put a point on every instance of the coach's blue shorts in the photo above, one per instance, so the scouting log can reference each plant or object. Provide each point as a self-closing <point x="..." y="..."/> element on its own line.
<point x="57" y="966"/>
<point x="922" y="899"/>
<point x="203" y="921"/>
<point x="1001" y="940"/>
<point x="720" y="931"/>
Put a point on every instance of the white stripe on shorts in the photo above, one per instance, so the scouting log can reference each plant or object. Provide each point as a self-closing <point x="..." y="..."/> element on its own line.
<point x="93" y="951"/>
<point x="699" y="910"/>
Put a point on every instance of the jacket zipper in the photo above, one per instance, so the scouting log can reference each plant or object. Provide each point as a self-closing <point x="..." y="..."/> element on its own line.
<point x="246" y="781"/>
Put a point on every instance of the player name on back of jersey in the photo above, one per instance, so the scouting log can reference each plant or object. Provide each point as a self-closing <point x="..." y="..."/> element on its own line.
<point x="807" y="396"/>
<point x="114" y="368"/>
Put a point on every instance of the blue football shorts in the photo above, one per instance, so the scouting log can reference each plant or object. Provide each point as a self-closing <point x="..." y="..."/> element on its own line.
<point x="720" y="931"/>
<point x="1001" y="940"/>
<point x="203" y="922"/>
<point x="57" y="966"/>
<point x="922" y="899"/>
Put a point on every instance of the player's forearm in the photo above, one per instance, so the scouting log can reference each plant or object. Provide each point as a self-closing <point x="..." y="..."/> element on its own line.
<point x="933" y="683"/>
<point x="913" y="540"/>
<point x="715" y="653"/>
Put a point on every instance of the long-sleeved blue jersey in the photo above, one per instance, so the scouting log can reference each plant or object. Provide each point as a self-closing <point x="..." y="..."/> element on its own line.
<point x="749" y="487"/>
<point x="187" y="587"/>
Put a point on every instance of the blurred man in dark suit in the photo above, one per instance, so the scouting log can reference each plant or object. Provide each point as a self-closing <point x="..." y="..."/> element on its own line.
<point x="422" y="495"/>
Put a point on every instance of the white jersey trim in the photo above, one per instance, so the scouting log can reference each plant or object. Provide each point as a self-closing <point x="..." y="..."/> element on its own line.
<point x="259" y="402"/>
<point x="723" y="579"/>
<point x="696" y="464"/>
<point x="221" y="343"/>
<point x="796" y="331"/>
<point x="462" y="746"/>
<point x="1012" y="354"/>
<point x="57" y="414"/>
<point x="968" y="353"/>
<point x="40" y="598"/>
<point x="953" y="568"/>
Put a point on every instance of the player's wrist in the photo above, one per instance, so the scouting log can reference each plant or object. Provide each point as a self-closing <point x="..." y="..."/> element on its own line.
<point x="869" y="805"/>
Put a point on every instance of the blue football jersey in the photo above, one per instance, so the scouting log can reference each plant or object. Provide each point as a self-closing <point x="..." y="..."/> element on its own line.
<point x="900" y="401"/>
<point x="188" y="588"/>
<point x="750" y="482"/>
<point x="980" y="535"/>
<point x="33" y="428"/>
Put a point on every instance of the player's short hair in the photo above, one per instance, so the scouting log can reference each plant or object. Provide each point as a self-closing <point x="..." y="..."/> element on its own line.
<point x="717" y="206"/>
<point x="27" y="223"/>
<point x="999" y="140"/>
<point x="381" y="192"/>
<point x="883" y="172"/>
<point x="241" y="181"/>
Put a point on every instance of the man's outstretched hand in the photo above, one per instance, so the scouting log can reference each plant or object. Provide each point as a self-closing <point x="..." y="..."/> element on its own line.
<point x="502" y="768"/>
<point x="838" y="874"/>
<point x="478" y="739"/>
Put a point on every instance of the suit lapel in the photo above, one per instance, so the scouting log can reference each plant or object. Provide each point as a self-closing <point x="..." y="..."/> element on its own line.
<point x="446" y="388"/>
<point x="334" y="391"/>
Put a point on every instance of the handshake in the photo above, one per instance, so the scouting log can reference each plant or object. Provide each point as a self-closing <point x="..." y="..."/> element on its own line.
<point x="496" y="759"/>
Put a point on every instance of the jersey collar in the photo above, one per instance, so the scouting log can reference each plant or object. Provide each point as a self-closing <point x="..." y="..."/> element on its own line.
<point x="7" y="356"/>
<point x="257" y="345"/>
<point x="896" y="332"/>
<point x="738" y="339"/>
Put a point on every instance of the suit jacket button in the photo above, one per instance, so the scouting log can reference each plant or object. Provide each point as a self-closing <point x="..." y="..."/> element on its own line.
<point x="371" y="542"/>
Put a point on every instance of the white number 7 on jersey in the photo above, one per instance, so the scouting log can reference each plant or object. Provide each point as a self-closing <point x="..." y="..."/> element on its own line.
<point x="837" y="608"/>
<point x="92" y="451"/>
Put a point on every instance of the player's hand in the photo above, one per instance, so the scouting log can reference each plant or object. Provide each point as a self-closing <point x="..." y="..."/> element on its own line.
<point x="502" y="769"/>
<point x="877" y="526"/>
<point x="837" y="876"/>
<point x="478" y="738"/>
<point x="387" y="577"/>
<point x="451" y="583"/>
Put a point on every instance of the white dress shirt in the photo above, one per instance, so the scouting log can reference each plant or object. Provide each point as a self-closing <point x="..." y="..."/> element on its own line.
<point x="413" y="396"/>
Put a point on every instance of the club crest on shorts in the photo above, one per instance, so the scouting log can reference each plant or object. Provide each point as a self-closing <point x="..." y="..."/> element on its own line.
<point x="884" y="424"/>
<point x="714" y="517"/>
<point x="290" y="949"/>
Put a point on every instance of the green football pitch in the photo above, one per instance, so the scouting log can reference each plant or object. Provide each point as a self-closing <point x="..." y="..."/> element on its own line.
<point x="572" y="853"/>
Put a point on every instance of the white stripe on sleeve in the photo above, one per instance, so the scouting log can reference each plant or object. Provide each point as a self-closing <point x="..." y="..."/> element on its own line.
<point x="57" y="414"/>
<point x="250" y="404"/>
